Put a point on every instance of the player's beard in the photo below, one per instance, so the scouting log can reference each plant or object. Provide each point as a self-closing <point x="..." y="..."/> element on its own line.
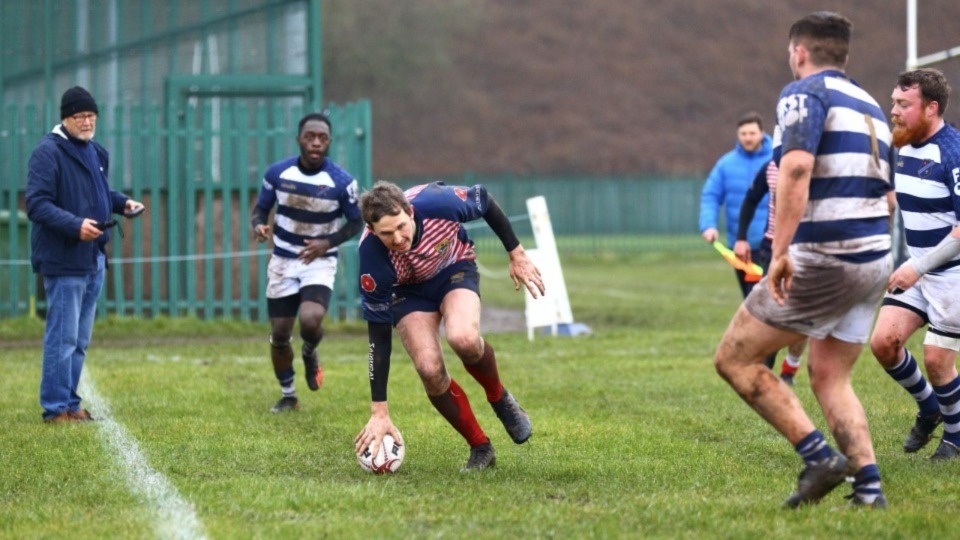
<point x="903" y="135"/>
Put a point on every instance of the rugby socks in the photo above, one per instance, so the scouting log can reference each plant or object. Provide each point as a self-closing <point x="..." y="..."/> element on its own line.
<point x="485" y="372"/>
<point x="866" y="484"/>
<point x="790" y="365"/>
<point x="949" y="397"/>
<point x="454" y="406"/>
<point x="281" y="354"/>
<point x="814" y="448"/>
<point x="285" y="378"/>
<point x="908" y="375"/>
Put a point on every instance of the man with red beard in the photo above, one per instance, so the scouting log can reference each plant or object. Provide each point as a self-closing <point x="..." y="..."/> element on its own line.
<point x="923" y="289"/>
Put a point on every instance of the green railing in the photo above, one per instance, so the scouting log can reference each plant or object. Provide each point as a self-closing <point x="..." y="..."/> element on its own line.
<point x="594" y="214"/>
<point x="192" y="252"/>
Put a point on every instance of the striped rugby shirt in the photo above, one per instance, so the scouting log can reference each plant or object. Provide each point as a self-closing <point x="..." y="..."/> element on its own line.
<point x="310" y="204"/>
<point x="830" y="116"/>
<point x="928" y="191"/>
<point x="438" y="213"/>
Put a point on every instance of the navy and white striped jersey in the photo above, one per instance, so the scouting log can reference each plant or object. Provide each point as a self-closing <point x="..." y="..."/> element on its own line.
<point x="440" y="240"/>
<point x="310" y="204"/>
<point x="928" y="191"/>
<point x="847" y="214"/>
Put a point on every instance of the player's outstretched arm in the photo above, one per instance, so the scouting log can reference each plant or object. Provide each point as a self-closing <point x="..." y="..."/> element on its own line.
<point x="523" y="271"/>
<point x="381" y="343"/>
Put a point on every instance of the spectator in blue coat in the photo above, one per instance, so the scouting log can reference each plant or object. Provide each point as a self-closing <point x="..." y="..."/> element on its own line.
<point x="70" y="205"/>
<point x="728" y="183"/>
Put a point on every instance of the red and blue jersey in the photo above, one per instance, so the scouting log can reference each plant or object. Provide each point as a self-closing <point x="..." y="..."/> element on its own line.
<point x="439" y="241"/>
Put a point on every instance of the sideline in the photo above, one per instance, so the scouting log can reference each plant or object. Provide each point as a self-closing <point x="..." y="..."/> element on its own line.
<point x="173" y="516"/>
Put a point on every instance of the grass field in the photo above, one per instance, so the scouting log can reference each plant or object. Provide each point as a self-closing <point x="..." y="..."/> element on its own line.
<point x="635" y="436"/>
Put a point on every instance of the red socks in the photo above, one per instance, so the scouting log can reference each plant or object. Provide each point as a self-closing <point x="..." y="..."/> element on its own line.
<point x="454" y="406"/>
<point x="485" y="372"/>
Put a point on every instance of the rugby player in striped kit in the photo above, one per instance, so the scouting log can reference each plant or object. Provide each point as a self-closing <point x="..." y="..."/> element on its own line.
<point x="313" y="196"/>
<point x="829" y="264"/>
<point x="418" y="271"/>
<point x="924" y="289"/>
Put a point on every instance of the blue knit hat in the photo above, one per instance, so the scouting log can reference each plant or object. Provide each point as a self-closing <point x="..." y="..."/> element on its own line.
<point x="77" y="100"/>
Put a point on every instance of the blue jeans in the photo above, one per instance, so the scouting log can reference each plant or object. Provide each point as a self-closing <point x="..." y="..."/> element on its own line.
<point x="71" y="307"/>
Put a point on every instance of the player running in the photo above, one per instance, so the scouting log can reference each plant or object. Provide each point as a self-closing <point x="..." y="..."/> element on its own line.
<point x="312" y="195"/>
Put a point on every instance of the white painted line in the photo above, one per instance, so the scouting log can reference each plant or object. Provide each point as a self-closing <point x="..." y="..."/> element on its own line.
<point x="173" y="516"/>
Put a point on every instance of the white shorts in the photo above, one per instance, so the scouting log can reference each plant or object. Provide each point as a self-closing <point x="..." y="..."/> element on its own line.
<point x="934" y="297"/>
<point x="828" y="297"/>
<point x="286" y="277"/>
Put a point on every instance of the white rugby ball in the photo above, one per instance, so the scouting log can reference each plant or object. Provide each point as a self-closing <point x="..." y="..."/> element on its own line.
<point x="388" y="459"/>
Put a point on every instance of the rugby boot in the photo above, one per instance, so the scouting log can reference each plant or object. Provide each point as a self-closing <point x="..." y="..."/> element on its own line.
<point x="481" y="457"/>
<point x="286" y="403"/>
<point x="922" y="432"/>
<point x="313" y="370"/>
<point x="946" y="451"/>
<point x="513" y="417"/>
<point x="816" y="481"/>
<point x="880" y="503"/>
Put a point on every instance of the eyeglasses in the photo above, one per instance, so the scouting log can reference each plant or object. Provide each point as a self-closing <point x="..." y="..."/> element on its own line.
<point x="81" y="118"/>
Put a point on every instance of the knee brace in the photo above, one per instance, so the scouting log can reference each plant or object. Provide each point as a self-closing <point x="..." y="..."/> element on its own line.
<point x="944" y="342"/>
<point x="279" y="343"/>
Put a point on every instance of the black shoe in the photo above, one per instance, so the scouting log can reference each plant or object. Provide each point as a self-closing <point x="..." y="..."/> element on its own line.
<point x="313" y="371"/>
<point x="946" y="451"/>
<point x="880" y="503"/>
<point x="921" y="432"/>
<point x="286" y="403"/>
<point x="481" y="457"/>
<point x="787" y="379"/>
<point x="816" y="481"/>
<point x="514" y="418"/>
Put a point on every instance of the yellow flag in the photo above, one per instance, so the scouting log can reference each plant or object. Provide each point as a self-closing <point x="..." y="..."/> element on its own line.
<point x="753" y="270"/>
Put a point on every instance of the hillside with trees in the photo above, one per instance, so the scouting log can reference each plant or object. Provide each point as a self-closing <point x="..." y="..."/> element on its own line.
<point x="623" y="87"/>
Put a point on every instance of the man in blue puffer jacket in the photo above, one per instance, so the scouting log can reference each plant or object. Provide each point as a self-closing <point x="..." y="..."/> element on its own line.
<point x="728" y="183"/>
<point x="69" y="202"/>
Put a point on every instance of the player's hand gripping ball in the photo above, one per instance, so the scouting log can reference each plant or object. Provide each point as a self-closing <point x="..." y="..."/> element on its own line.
<point x="388" y="459"/>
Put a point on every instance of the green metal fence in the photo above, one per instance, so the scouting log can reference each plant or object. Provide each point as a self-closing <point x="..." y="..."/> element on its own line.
<point x="192" y="252"/>
<point x="595" y="214"/>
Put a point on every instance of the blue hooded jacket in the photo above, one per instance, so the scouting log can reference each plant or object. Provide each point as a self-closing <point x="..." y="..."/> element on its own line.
<point x="727" y="184"/>
<point x="63" y="190"/>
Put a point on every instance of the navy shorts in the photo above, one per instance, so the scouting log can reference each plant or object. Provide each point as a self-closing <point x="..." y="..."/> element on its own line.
<point x="428" y="295"/>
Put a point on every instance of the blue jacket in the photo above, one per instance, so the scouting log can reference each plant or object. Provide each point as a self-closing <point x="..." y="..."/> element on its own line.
<point x="61" y="191"/>
<point x="727" y="184"/>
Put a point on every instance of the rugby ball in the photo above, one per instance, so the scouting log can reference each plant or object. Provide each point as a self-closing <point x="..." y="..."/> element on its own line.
<point x="388" y="459"/>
